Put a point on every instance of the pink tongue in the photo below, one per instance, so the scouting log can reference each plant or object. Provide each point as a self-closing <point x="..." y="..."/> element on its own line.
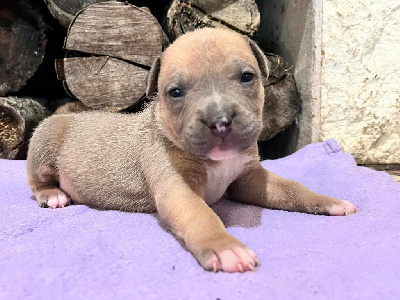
<point x="217" y="154"/>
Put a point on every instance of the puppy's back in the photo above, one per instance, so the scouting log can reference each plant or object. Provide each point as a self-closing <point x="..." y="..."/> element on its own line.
<point x="93" y="156"/>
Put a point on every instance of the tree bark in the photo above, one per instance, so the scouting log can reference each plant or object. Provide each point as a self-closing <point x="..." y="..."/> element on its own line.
<point x="18" y="118"/>
<point x="22" y="44"/>
<point x="282" y="101"/>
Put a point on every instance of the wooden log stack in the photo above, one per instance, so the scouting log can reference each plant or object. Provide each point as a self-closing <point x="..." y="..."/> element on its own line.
<point x="108" y="48"/>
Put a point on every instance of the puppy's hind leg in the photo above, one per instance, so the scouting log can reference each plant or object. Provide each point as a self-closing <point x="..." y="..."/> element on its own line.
<point x="43" y="176"/>
<point x="42" y="170"/>
<point x="44" y="184"/>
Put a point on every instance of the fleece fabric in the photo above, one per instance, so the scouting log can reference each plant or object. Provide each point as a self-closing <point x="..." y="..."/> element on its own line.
<point x="82" y="253"/>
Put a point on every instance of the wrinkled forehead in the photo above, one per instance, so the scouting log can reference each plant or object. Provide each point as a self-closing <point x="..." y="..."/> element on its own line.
<point x="206" y="52"/>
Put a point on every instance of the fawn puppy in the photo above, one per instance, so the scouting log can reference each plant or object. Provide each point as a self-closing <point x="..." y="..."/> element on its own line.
<point x="193" y="144"/>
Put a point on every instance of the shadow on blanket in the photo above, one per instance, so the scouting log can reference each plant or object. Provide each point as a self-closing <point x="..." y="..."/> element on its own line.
<point x="77" y="252"/>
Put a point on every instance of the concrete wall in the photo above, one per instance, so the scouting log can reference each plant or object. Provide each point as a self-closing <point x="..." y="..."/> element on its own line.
<point x="346" y="59"/>
<point x="360" y="78"/>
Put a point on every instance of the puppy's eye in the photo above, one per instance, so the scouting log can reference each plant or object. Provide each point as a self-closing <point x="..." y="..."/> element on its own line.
<point x="246" y="77"/>
<point x="176" y="93"/>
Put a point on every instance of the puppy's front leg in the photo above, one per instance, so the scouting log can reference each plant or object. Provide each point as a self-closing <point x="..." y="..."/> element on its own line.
<point x="259" y="187"/>
<point x="192" y="220"/>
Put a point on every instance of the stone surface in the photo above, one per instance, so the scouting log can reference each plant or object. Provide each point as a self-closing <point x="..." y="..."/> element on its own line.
<point x="360" y="82"/>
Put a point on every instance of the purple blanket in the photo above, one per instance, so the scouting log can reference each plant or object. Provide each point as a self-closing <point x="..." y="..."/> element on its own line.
<point x="77" y="252"/>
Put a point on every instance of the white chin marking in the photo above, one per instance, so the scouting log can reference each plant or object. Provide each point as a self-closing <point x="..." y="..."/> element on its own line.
<point x="216" y="154"/>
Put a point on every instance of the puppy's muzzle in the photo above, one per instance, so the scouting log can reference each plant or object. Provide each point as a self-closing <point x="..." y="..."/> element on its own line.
<point x="220" y="126"/>
<point x="218" y="118"/>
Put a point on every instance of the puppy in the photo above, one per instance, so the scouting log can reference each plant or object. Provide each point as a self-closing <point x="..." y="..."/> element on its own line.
<point x="193" y="144"/>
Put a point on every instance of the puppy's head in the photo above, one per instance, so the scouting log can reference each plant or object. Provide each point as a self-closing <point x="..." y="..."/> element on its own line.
<point x="210" y="92"/>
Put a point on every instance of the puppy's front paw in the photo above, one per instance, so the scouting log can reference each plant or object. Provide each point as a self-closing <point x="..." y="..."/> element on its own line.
<point x="227" y="254"/>
<point x="343" y="208"/>
<point x="53" y="198"/>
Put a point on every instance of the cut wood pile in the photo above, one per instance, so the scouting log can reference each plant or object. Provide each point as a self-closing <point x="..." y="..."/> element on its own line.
<point x="91" y="54"/>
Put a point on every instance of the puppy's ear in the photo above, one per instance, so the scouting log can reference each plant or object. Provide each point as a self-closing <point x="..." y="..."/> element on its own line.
<point x="262" y="60"/>
<point x="152" y="78"/>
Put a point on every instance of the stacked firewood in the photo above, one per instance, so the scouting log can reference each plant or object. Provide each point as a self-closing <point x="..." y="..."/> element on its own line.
<point x="102" y="52"/>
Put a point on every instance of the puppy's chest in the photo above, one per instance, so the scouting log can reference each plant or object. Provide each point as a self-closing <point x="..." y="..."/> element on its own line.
<point x="221" y="175"/>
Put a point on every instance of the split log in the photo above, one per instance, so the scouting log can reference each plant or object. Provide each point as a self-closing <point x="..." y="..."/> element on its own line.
<point x="242" y="16"/>
<point x="117" y="43"/>
<point x="282" y="101"/>
<point x="18" y="118"/>
<point x="22" y="44"/>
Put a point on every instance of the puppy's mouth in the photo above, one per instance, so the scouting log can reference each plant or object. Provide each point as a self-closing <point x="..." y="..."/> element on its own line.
<point x="219" y="153"/>
<point x="213" y="147"/>
<point x="222" y="149"/>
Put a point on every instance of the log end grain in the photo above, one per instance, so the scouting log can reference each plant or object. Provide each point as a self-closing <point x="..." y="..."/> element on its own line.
<point x="11" y="131"/>
<point x="117" y="30"/>
<point x="104" y="82"/>
<point x="18" y="118"/>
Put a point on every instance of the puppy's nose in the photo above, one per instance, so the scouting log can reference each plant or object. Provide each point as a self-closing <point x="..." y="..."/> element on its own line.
<point x="220" y="126"/>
